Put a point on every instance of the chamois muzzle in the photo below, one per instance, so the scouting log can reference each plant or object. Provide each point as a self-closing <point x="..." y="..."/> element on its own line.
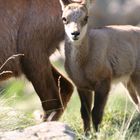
<point x="75" y="35"/>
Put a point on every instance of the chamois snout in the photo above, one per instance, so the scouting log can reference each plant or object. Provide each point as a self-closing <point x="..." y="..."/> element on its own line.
<point x="75" y="35"/>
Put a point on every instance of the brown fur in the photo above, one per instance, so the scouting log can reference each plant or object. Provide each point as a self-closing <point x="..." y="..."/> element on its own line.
<point x="97" y="57"/>
<point x="34" y="28"/>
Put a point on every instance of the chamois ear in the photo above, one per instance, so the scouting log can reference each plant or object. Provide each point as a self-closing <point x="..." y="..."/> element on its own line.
<point x="64" y="3"/>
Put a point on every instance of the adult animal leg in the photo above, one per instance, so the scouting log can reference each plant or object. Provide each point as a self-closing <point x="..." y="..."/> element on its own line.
<point x="64" y="85"/>
<point x="42" y="78"/>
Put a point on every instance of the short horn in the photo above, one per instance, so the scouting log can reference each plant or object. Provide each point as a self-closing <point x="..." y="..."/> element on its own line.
<point x="77" y="1"/>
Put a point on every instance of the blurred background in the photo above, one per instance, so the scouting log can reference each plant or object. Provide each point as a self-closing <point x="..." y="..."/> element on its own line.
<point x="108" y="12"/>
<point x="20" y="106"/>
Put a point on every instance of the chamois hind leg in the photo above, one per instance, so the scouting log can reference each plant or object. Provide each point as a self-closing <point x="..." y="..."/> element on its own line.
<point x="133" y="94"/>
<point x="86" y="105"/>
<point x="136" y="82"/>
<point x="100" y="99"/>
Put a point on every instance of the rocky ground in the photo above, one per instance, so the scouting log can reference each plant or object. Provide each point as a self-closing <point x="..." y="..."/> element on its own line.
<point x="43" y="131"/>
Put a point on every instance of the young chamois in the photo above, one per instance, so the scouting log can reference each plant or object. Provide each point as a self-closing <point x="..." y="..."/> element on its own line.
<point x="34" y="28"/>
<point x="97" y="57"/>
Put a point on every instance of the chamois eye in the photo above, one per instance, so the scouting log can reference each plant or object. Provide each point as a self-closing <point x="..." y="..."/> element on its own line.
<point x="64" y="20"/>
<point x="86" y="19"/>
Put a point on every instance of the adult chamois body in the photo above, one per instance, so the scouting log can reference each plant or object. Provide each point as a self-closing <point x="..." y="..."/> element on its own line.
<point x="32" y="30"/>
<point x="97" y="57"/>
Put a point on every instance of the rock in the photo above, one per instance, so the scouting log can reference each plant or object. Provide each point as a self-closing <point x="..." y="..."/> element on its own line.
<point x="43" y="131"/>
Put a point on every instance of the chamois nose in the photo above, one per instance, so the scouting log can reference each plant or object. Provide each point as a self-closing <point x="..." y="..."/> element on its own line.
<point x="76" y="33"/>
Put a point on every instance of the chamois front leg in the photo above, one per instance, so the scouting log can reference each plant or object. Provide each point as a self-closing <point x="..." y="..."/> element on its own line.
<point x="100" y="99"/>
<point x="86" y="104"/>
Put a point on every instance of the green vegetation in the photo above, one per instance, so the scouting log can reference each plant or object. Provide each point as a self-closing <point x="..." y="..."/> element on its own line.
<point x="11" y="117"/>
<point x="121" y="120"/>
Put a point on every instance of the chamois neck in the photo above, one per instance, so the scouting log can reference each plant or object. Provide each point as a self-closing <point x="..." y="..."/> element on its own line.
<point x="80" y="50"/>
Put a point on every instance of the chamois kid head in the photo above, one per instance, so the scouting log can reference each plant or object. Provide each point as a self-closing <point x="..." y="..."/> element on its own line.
<point x="75" y="17"/>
